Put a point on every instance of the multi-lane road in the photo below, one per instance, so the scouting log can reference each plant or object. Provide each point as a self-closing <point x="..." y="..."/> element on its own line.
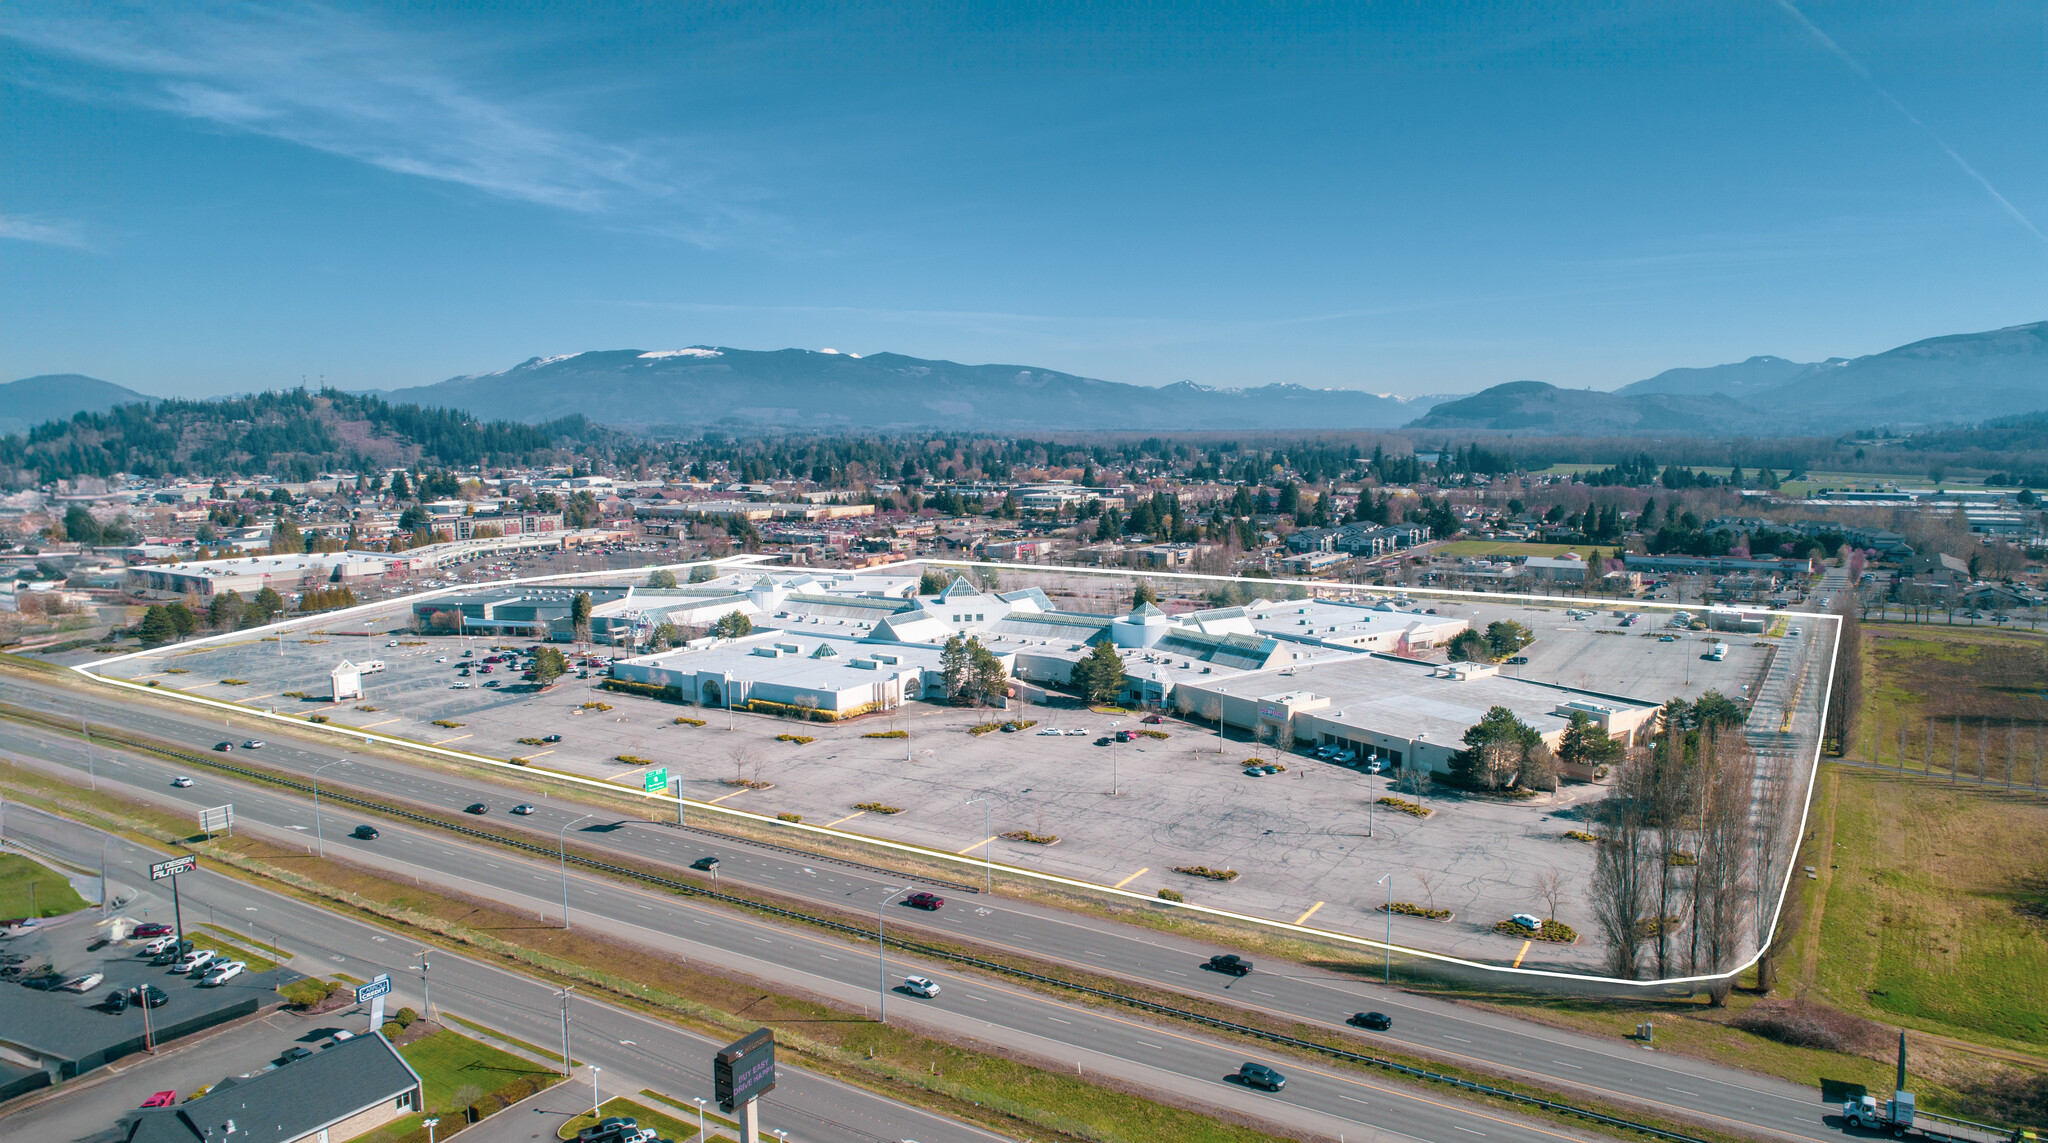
<point x="1045" y="1025"/>
<point x="633" y="1051"/>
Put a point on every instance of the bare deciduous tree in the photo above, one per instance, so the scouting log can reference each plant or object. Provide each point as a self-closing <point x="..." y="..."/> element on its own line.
<point x="1427" y="879"/>
<point x="1622" y="865"/>
<point x="1550" y="886"/>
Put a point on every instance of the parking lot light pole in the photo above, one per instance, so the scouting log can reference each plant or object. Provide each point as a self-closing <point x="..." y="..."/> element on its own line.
<point x="700" y="1116"/>
<point x="1389" y="882"/>
<point x="565" y="1029"/>
<point x="562" y="848"/>
<point x="319" y="838"/>
<point x="987" y="871"/>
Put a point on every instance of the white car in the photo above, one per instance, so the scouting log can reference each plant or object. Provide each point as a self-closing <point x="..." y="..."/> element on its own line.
<point x="1078" y="733"/>
<point x="222" y="973"/>
<point x="253" y="744"/>
<point x="158" y="945"/>
<point x="1374" y="766"/>
<point x="442" y="659"/>
<point x="181" y="781"/>
<point x="1529" y="921"/>
<point x="86" y="983"/>
<point x="199" y="959"/>
<point x="459" y="686"/>
<point x="921" y="986"/>
<point x="1050" y="732"/>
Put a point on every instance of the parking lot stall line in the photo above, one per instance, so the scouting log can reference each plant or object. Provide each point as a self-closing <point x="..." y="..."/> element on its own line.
<point x="847" y="818"/>
<point x="1312" y="912"/>
<point x="1132" y="877"/>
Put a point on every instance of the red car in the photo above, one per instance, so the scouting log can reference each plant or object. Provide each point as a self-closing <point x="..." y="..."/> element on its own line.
<point x="152" y="929"/>
<point x="1153" y="719"/>
<point x="161" y="1099"/>
<point x="929" y="901"/>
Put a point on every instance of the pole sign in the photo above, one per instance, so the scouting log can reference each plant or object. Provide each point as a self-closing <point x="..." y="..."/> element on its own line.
<point x="381" y="986"/>
<point x="173" y="867"/>
<point x="657" y="780"/>
<point x="745" y="1068"/>
<point x="219" y="819"/>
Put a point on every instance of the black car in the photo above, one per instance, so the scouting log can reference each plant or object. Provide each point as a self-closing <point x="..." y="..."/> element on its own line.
<point x="552" y="738"/>
<point x="1259" y="1075"/>
<point x="1103" y="741"/>
<point x="294" y="1055"/>
<point x="115" y="1002"/>
<point x="1229" y="963"/>
<point x="1377" y="1021"/>
<point x="704" y="864"/>
<point x="156" y="997"/>
<point x="224" y="747"/>
<point x="44" y="982"/>
<point x="172" y="955"/>
<point x="477" y="808"/>
<point x="366" y="833"/>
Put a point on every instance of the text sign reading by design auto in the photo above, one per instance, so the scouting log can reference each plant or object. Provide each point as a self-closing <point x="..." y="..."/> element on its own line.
<point x="173" y="867"/>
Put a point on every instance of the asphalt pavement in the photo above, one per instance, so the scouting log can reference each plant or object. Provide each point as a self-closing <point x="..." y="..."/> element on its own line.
<point x="1561" y="1059"/>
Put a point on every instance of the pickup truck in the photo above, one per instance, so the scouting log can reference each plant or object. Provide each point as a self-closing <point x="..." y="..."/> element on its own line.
<point x="1230" y="964"/>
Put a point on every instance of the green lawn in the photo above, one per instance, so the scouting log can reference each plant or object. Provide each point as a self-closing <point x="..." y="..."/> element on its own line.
<point x="232" y="946"/>
<point x="30" y="889"/>
<point x="668" y="1126"/>
<point x="457" y="1070"/>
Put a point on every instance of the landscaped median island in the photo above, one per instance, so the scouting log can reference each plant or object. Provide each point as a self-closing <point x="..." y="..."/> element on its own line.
<point x="1403" y="805"/>
<point x="1205" y="871"/>
<point x="1411" y="909"/>
<point x="1027" y="835"/>
<point x="1555" y="931"/>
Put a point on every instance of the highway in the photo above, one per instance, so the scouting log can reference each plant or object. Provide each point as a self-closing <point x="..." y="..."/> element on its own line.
<point x="634" y="1051"/>
<point x="1560" y="1059"/>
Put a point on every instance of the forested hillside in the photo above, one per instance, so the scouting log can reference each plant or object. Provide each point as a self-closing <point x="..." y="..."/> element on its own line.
<point x="294" y="433"/>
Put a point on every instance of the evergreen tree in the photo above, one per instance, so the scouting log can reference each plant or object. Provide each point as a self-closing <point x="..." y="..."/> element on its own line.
<point x="1100" y="676"/>
<point x="1142" y="595"/>
<point x="267" y="605"/>
<point x="661" y="577"/>
<point x="1497" y="747"/>
<point x="157" y="628"/>
<point x="182" y="619"/>
<point x="733" y="625"/>
<point x="579" y="615"/>
<point x="224" y="611"/>
<point x="1585" y="744"/>
<point x="549" y="664"/>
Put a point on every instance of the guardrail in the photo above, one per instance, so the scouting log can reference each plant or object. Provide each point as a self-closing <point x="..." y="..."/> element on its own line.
<point x="932" y="951"/>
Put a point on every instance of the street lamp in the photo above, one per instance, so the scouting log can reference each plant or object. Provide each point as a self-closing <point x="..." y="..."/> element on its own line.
<point x="562" y="847"/>
<point x="1112" y="755"/>
<point x="1388" y="880"/>
<point x="596" y="1104"/>
<point x="882" y="958"/>
<point x="319" y="838"/>
<point x="700" y="1118"/>
<point x="987" y="874"/>
<point x="430" y="1124"/>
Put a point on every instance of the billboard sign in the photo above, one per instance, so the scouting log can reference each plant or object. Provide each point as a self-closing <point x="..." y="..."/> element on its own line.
<point x="219" y="819"/>
<point x="381" y="986"/>
<point x="657" y="780"/>
<point x="173" y="867"/>
<point x="744" y="1068"/>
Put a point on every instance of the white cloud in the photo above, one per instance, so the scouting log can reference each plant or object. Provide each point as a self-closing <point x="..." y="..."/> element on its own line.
<point x="349" y="85"/>
<point x="43" y="231"/>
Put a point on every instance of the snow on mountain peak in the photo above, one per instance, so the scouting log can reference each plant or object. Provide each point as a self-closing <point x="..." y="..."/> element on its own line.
<point x="693" y="351"/>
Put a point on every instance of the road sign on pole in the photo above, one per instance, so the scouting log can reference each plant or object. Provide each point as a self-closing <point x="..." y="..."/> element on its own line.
<point x="657" y="780"/>
<point x="173" y="867"/>
<point x="219" y="819"/>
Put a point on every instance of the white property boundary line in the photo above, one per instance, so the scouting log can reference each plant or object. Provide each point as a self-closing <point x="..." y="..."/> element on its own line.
<point x="684" y="804"/>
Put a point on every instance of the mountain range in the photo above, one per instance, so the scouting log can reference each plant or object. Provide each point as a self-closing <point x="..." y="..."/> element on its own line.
<point x="706" y="386"/>
<point x="29" y="402"/>
<point x="1958" y="379"/>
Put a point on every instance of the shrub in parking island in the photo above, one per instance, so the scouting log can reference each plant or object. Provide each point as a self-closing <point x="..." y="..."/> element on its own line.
<point x="445" y="724"/>
<point x="878" y="808"/>
<point x="1157" y="734"/>
<point x="533" y="742"/>
<point x="1027" y="835"/>
<point x="632" y="760"/>
<point x="1205" y="871"/>
<point x="886" y="734"/>
<point x="799" y="739"/>
<point x="1411" y="909"/>
<point x="599" y="707"/>
<point x="789" y="817"/>
<point x="1556" y="932"/>
<point x="1170" y="895"/>
<point x="681" y="721"/>
<point x="1580" y="835"/>
<point x="1412" y="809"/>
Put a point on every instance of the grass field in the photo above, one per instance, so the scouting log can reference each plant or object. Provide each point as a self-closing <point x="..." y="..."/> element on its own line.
<point x="30" y="889"/>
<point x="1962" y="695"/>
<point x="457" y="1070"/>
<point x="1475" y="548"/>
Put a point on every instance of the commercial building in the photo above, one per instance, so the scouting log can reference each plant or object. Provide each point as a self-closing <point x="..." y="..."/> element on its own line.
<point x="1405" y="713"/>
<point x="347" y="1089"/>
<point x="247" y="575"/>
<point x="835" y="675"/>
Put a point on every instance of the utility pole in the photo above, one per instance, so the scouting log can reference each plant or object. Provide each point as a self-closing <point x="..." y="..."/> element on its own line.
<point x="426" y="984"/>
<point x="90" y="773"/>
<point x="562" y="843"/>
<point x="565" y="1029"/>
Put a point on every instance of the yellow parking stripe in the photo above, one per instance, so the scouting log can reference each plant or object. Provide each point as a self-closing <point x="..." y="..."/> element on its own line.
<point x="847" y="818"/>
<point x="975" y="846"/>
<point x="386" y="722"/>
<point x="1311" y="912"/>
<point x="457" y="738"/>
<point x="1523" y="953"/>
<point x="734" y="794"/>
<point x="1132" y="877"/>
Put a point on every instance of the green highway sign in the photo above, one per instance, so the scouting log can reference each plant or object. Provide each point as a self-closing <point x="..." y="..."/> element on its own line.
<point x="657" y="780"/>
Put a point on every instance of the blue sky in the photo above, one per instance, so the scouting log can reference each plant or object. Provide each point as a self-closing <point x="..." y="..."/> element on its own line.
<point x="1412" y="198"/>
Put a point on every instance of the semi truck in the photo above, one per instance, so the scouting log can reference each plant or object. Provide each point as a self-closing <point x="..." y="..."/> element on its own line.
<point x="1898" y="1117"/>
